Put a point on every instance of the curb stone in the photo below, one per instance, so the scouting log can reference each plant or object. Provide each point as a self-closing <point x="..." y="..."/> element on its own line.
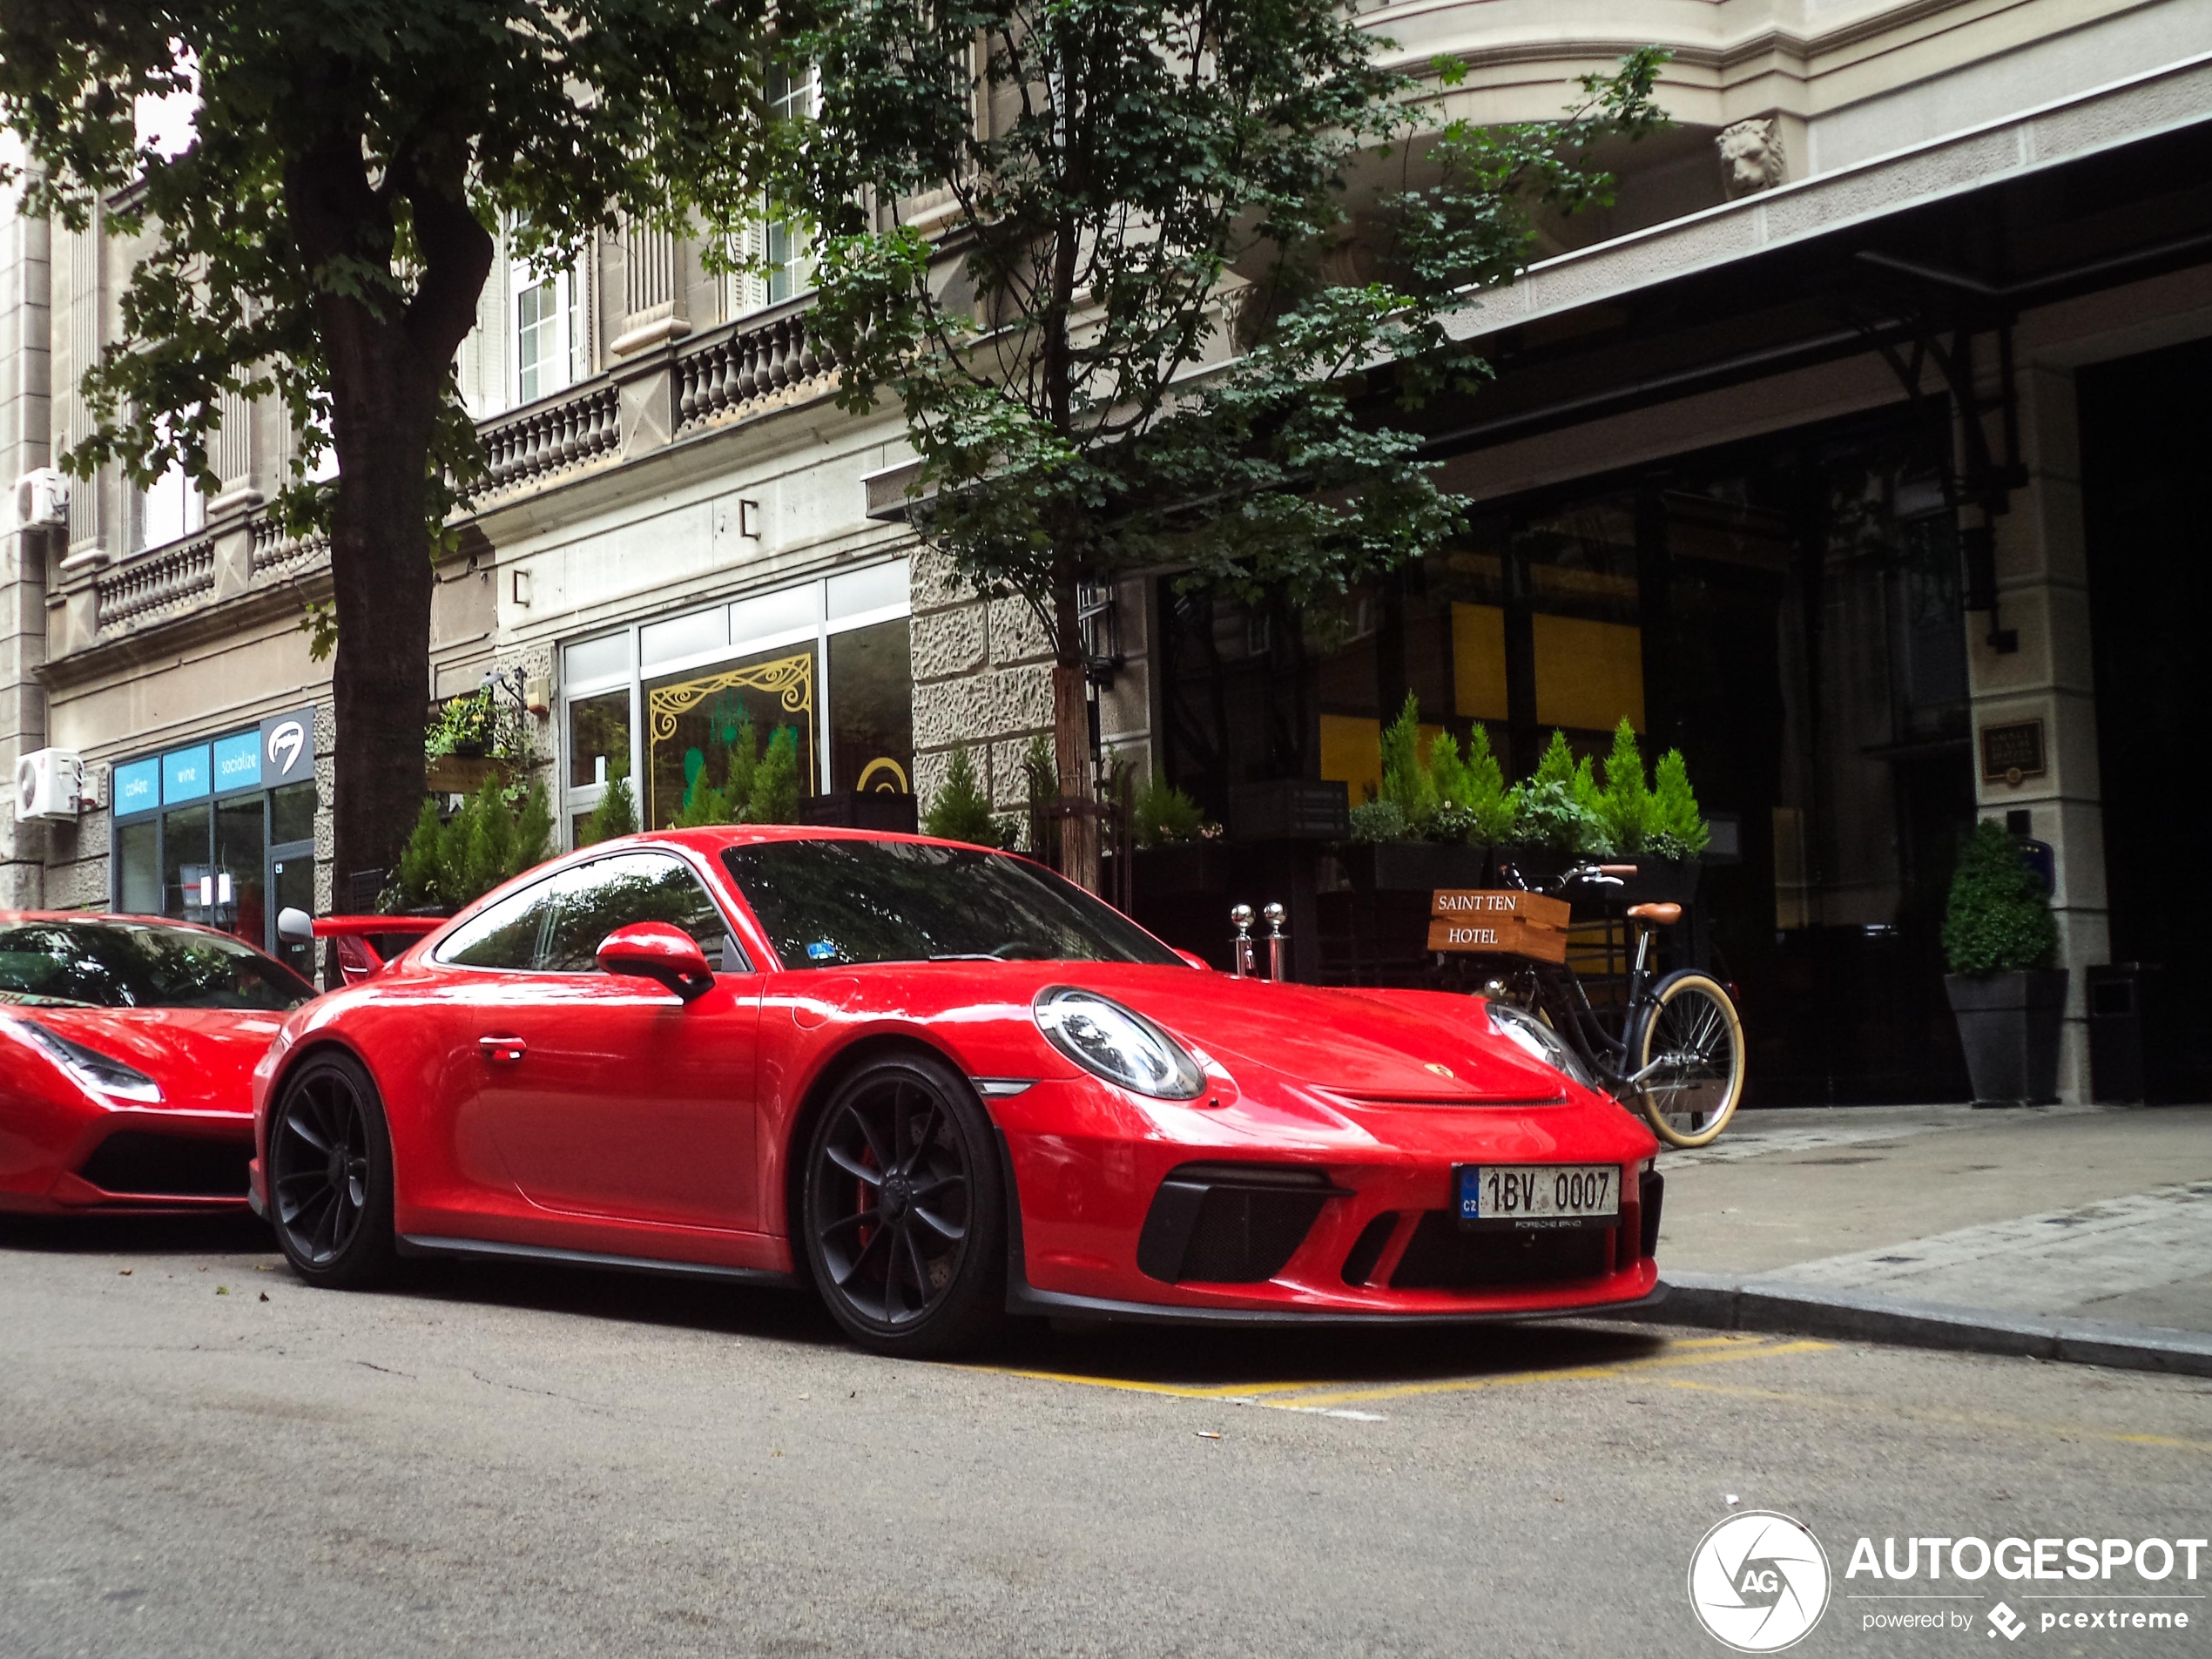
<point x="1718" y="1302"/>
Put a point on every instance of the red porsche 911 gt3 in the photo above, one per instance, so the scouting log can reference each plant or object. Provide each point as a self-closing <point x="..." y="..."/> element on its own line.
<point x="127" y="1048"/>
<point x="939" y="1084"/>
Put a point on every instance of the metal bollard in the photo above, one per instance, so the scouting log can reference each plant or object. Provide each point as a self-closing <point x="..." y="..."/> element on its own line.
<point x="1240" y="947"/>
<point x="1277" y="947"/>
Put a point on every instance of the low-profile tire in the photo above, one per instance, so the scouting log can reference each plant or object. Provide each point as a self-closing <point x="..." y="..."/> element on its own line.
<point x="902" y="1210"/>
<point x="330" y="1175"/>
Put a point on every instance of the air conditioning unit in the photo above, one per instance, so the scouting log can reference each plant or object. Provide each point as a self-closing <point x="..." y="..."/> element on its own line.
<point x="42" y="500"/>
<point x="50" y="784"/>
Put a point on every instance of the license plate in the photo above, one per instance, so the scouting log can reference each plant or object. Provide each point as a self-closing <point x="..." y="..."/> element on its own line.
<point x="1536" y="1196"/>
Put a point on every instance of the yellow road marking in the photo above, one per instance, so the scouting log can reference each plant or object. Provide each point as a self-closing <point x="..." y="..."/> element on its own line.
<point x="1576" y="1373"/>
<point x="1695" y="1351"/>
<point x="1187" y="1391"/>
<point x="1953" y="1420"/>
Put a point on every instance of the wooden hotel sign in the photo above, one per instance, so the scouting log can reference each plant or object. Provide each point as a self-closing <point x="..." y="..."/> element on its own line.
<point x="1501" y="921"/>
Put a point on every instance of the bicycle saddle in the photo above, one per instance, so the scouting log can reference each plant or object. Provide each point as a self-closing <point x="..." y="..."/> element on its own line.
<point x="1664" y="915"/>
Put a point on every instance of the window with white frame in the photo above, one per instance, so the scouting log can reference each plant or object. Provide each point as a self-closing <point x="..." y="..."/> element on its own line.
<point x="545" y="332"/>
<point x="169" y="509"/>
<point x="784" y="253"/>
<point x="670" y="703"/>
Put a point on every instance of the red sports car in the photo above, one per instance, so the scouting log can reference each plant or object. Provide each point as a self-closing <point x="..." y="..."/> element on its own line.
<point x="127" y="1048"/>
<point x="939" y="1084"/>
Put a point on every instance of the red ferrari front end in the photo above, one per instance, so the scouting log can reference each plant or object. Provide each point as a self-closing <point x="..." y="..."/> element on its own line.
<point x="127" y="1048"/>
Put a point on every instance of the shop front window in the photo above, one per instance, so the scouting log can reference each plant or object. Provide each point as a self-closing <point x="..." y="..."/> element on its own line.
<point x="185" y="875"/>
<point x="138" y="868"/>
<point x="239" y="864"/>
<point x="871" y="711"/>
<point x="598" y="740"/>
<point x="713" y="730"/>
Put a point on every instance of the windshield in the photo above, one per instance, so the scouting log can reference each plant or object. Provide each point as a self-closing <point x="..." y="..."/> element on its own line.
<point x="833" y="904"/>
<point x="131" y="965"/>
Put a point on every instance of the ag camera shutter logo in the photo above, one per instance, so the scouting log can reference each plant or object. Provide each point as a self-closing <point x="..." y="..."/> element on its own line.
<point x="1759" y="1581"/>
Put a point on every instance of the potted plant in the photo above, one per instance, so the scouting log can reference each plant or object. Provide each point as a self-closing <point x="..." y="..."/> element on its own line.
<point x="1415" y="835"/>
<point x="1558" y="819"/>
<point x="1658" y="828"/>
<point x="2001" y="939"/>
<point x="1179" y="851"/>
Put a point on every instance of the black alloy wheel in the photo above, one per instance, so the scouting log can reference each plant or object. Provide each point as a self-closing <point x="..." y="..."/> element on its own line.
<point x="330" y="1175"/>
<point x="903" y="1212"/>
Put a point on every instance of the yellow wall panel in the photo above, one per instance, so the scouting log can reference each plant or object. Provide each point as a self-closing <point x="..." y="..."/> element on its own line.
<point x="1588" y="674"/>
<point x="1352" y="754"/>
<point x="1479" y="662"/>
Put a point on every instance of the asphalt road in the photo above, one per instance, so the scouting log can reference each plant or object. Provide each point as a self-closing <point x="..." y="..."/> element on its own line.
<point x="198" y="1456"/>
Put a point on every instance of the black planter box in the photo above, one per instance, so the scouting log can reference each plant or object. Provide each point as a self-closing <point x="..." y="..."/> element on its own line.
<point x="2009" y="1025"/>
<point x="866" y="809"/>
<point x="1414" y="867"/>
<point x="1656" y="880"/>
<point x="1290" y="809"/>
<point x="1177" y="870"/>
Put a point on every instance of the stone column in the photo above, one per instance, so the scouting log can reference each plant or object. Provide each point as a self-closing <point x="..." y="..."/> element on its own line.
<point x="2043" y="598"/>
<point x="25" y="389"/>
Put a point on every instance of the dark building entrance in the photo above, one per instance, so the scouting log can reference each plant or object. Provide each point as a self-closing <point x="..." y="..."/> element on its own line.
<point x="1785" y="612"/>
<point x="2149" y="548"/>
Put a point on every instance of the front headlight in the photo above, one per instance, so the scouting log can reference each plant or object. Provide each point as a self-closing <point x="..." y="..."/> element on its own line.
<point x="1117" y="1043"/>
<point x="92" y="1069"/>
<point x="1531" y="1036"/>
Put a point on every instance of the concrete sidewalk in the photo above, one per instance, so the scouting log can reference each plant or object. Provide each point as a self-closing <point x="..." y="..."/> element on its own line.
<point x="2066" y="1232"/>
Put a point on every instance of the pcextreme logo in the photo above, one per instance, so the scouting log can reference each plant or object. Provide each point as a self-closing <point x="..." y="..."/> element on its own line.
<point x="1758" y="1582"/>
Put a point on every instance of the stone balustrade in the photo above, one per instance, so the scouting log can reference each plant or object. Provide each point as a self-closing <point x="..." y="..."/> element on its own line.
<point x="751" y="360"/>
<point x="144" y="589"/>
<point x="552" y="436"/>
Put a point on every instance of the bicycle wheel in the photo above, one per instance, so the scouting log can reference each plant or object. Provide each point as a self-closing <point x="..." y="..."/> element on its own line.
<point x="1689" y="1048"/>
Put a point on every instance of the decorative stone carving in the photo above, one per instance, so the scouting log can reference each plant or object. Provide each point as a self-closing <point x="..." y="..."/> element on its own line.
<point x="1751" y="159"/>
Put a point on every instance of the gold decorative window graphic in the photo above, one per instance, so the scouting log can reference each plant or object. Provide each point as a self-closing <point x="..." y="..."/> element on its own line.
<point x="694" y="725"/>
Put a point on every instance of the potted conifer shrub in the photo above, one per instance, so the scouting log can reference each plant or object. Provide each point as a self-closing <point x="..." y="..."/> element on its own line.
<point x="1656" y="828"/>
<point x="1413" y="838"/>
<point x="2001" y="939"/>
<point x="1558" y="818"/>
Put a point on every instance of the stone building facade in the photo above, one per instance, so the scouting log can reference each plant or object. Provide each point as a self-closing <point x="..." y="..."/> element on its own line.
<point x="1877" y="335"/>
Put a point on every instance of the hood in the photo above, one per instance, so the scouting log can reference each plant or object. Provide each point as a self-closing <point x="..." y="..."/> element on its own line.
<point x="1354" y="1047"/>
<point x="203" y="1058"/>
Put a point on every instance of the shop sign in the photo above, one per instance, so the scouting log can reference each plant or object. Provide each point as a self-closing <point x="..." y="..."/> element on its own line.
<point x="238" y="762"/>
<point x="287" y="748"/>
<point x="137" y="787"/>
<point x="183" y="775"/>
<point x="2012" y="752"/>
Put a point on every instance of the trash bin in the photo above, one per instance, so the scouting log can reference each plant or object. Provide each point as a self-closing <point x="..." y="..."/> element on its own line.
<point x="2115" y="998"/>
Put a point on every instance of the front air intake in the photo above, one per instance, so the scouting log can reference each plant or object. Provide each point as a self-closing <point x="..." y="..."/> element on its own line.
<point x="1442" y="1256"/>
<point x="1230" y="1224"/>
<point x="134" y="1162"/>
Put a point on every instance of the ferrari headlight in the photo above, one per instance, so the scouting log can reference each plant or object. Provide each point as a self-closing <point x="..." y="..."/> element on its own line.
<point x="1530" y="1034"/>
<point x="92" y="1069"/>
<point x="1118" y="1044"/>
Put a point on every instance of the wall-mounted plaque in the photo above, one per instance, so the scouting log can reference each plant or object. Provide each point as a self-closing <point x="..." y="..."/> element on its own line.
<point x="2012" y="751"/>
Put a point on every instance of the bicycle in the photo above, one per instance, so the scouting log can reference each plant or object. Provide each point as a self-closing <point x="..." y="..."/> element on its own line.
<point x="1679" y="1060"/>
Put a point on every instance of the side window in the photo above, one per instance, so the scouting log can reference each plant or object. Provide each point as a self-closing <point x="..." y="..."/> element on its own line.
<point x="593" y="900"/>
<point x="505" y="935"/>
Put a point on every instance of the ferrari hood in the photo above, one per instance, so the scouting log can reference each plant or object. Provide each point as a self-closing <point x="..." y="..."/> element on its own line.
<point x="1348" y="1044"/>
<point x="203" y="1058"/>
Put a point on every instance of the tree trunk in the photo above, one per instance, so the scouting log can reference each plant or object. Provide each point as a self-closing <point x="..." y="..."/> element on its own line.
<point x="1071" y="747"/>
<point x="389" y="360"/>
<point x="380" y="570"/>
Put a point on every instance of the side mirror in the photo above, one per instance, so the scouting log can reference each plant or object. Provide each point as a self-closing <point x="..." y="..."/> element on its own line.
<point x="656" y="951"/>
<point x="1194" y="959"/>
<point x="295" y="926"/>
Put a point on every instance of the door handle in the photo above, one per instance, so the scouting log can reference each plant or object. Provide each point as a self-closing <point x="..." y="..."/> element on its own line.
<point x="502" y="1051"/>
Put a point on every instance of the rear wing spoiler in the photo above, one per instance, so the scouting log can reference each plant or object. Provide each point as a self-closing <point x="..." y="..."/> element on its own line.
<point x="364" y="943"/>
